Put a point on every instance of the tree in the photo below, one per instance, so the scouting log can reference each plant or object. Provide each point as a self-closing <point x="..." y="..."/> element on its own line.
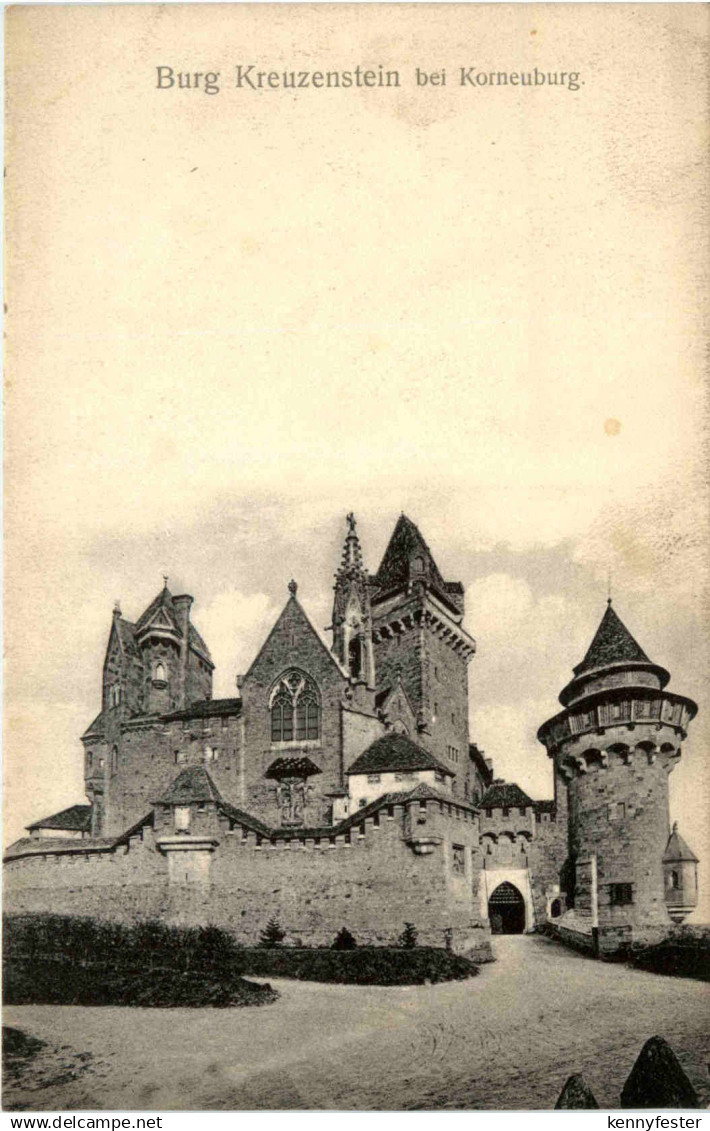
<point x="273" y="934"/>
<point x="409" y="936"/>
<point x="344" y="940"/>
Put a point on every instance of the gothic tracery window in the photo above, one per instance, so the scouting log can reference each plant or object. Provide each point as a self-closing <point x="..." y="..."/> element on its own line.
<point x="295" y="711"/>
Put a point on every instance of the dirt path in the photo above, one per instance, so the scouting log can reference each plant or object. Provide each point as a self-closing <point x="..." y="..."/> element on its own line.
<point x="505" y="1040"/>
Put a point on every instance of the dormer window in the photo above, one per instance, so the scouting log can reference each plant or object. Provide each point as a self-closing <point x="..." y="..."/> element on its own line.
<point x="417" y="565"/>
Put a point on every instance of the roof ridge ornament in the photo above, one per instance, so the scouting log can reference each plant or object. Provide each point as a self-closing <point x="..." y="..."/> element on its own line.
<point x="293" y="587"/>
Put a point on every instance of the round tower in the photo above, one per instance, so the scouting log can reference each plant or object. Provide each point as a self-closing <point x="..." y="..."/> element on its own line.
<point x="614" y="745"/>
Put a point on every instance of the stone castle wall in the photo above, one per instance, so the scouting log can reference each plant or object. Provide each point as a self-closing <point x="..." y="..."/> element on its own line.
<point x="369" y="880"/>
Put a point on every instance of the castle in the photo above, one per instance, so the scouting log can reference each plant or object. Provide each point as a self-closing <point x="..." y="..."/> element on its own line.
<point x="341" y="788"/>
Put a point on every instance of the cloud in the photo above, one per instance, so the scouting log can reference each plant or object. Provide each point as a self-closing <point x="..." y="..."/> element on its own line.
<point x="235" y="625"/>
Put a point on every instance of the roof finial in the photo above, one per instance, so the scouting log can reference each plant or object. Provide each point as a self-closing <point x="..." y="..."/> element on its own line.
<point x="608" y="588"/>
<point x="350" y="519"/>
<point x="675" y="826"/>
<point x="292" y="587"/>
<point x="165" y="579"/>
<point x="117" y="608"/>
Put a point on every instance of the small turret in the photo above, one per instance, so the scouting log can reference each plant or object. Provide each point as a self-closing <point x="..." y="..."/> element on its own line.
<point x="680" y="868"/>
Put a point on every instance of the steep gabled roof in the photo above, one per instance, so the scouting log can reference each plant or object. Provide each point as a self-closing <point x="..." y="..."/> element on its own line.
<point x="612" y="644"/>
<point x="677" y="849"/>
<point x="505" y="795"/>
<point x="192" y="784"/>
<point x="395" y="753"/>
<point x="294" y="609"/>
<point x="406" y="542"/>
<point x="77" y="818"/>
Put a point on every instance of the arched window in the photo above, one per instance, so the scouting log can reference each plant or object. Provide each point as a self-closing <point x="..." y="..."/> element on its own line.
<point x="282" y="718"/>
<point x="355" y="657"/>
<point x="114" y="760"/>
<point x="675" y="880"/>
<point x="159" y="672"/>
<point x="295" y="709"/>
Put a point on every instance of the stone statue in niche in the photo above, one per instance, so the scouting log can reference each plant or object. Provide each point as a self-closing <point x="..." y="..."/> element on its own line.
<point x="292" y="796"/>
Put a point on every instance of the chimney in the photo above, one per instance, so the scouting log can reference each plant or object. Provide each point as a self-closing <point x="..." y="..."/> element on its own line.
<point x="181" y="606"/>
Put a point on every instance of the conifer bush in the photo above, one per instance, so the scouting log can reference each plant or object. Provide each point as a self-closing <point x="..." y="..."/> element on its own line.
<point x="344" y="940"/>
<point x="273" y="933"/>
<point x="409" y="936"/>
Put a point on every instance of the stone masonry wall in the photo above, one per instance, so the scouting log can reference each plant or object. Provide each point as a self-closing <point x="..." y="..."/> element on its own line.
<point x="359" y="731"/>
<point x="436" y="681"/>
<point x="619" y="812"/>
<point x="445" y="700"/>
<point x="370" y="881"/>
<point x="151" y="754"/>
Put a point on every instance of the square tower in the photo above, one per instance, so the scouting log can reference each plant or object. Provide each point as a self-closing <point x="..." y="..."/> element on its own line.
<point x="419" y="639"/>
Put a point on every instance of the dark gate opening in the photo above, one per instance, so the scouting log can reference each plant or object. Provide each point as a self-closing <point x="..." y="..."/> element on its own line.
<point x="506" y="910"/>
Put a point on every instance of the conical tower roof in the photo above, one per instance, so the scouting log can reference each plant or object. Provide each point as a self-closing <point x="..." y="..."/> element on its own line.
<point x="406" y="544"/>
<point x="612" y="649"/>
<point x="612" y="644"/>
<point x="677" y="849"/>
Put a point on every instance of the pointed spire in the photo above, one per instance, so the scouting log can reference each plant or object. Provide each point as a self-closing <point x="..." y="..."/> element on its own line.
<point x="351" y="561"/>
<point x="612" y="644"/>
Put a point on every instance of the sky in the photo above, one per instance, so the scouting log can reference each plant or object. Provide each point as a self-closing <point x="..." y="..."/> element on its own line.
<point x="233" y="319"/>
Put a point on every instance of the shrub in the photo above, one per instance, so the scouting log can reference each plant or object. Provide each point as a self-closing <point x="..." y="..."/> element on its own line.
<point x="366" y="965"/>
<point x="680" y="956"/>
<point x="344" y="940"/>
<point x="61" y="983"/>
<point x="273" y="934"/>
<point x="409" y="936"/>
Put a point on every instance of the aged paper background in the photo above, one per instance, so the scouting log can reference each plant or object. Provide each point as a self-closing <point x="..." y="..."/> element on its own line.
<point x="234" y="317"/>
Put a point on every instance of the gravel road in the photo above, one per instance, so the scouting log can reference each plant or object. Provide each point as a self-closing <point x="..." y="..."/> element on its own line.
<point x="505" y="1040"/>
